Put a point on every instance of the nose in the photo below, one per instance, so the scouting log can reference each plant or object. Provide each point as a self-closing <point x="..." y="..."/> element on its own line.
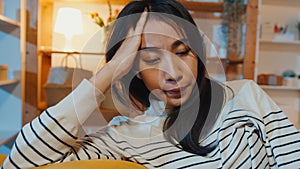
<point x="172" y="71"/>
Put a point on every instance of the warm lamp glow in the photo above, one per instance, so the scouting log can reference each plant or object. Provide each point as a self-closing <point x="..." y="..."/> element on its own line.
<point x="69" y="23"/>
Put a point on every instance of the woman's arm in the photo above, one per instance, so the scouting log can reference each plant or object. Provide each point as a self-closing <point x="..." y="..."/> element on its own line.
<point x="52" y="136"/>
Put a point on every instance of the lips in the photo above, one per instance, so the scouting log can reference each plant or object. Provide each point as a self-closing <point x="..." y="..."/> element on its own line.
<point x="174" y="93"/>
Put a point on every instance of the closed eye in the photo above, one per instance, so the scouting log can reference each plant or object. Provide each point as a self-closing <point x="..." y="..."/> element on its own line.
<point x="183" y="53"/>
<point x="150" y="55"/>
<point x="151" y="61"/>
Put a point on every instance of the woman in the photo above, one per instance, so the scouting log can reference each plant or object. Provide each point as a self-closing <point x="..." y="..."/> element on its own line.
<point x="156" y="62"/>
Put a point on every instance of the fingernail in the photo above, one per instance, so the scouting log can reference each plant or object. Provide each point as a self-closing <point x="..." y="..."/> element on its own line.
<point x="145" y="12"/>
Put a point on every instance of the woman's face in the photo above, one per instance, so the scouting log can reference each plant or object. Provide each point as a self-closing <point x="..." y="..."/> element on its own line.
<point x="166" y="64"/>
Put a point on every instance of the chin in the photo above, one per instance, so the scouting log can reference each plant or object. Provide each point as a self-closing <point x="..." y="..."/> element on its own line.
<point x="175" y="102"/>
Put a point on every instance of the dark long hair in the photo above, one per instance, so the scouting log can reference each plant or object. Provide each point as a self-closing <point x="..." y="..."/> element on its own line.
<point x="204" y="102"/>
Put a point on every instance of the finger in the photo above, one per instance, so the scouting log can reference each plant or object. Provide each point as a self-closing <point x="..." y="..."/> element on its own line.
<point x="134" y="35"/>
<point x="127" y="43"/>
<point x="133" y="38"/>
<point x="141" y="23"/>
<point x="131" y="44"/>
<point x="130" y="34"/>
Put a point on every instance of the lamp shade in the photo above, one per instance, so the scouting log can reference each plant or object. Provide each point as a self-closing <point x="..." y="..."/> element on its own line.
<point x="68" y="22"/>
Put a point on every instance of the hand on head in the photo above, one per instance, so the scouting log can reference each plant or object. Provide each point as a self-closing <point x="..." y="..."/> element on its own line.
<point x="124" y="58"/>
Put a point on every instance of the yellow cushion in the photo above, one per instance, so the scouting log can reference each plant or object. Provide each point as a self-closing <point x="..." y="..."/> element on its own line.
<point x="94" y="164"/>
<point x="2" y="158"/>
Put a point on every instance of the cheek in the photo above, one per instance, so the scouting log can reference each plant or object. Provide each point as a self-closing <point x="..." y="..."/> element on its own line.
<point x="192" y="64"/>
<point x="150" y="78"/>
<point x="195" y="69"/>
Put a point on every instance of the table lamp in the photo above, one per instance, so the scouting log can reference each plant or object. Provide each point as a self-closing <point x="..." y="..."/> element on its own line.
<point x="69" y="23"/>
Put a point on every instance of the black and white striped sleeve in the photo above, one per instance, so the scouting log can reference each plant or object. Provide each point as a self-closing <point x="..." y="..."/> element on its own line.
<point x="52" y="136"/>
<point x="279" y="136"/>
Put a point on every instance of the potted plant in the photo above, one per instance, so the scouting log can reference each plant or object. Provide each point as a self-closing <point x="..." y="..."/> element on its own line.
<point x="289" y="77"/>
<point x="105" y="25"/>
<point x="233" y="18"/>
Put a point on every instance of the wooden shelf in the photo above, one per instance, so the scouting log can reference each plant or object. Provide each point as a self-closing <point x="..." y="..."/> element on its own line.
<point x="203" y="6"/>
<point x="8" y="25"/>
<point x="281" y="2"/>
<point x="8" y="82"/>
<point x="280" y="87"/>
<point x="190" y="5"/>
<point x="49" y="52"/>
<point x="7" y="136"/>
<point x="115" y="2"/>
<point x="280" y="42"/>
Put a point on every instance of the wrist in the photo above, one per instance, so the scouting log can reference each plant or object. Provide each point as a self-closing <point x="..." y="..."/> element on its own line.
<point x="102" y="79"/>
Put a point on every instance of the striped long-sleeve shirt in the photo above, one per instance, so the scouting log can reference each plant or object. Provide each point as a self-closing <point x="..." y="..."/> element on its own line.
<point x="251" y="132"/>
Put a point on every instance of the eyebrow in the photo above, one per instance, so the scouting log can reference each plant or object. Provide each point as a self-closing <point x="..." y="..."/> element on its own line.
<point x="178" y="43"/>
<point x="173" y="46"/>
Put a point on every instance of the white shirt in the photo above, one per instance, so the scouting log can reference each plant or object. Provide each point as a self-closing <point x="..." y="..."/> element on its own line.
<point x="251" y="132"/>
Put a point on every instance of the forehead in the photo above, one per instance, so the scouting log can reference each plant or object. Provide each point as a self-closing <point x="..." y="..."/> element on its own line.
<point x="155" y="27"/>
